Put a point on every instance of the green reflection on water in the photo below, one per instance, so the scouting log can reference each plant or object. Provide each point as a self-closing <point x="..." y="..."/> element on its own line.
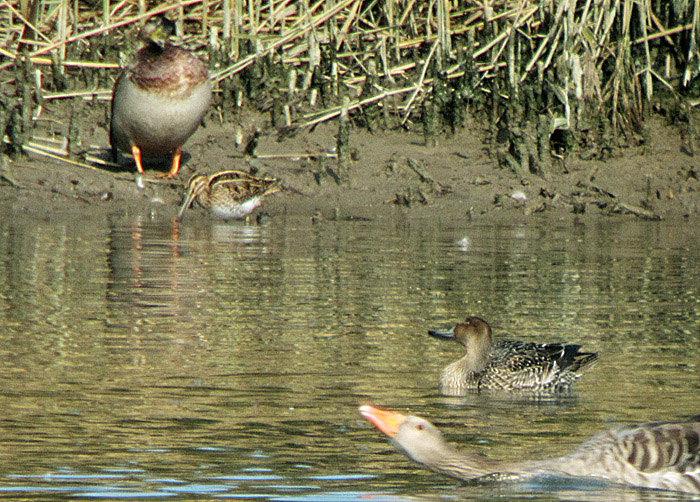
<point x="204" y="350"/>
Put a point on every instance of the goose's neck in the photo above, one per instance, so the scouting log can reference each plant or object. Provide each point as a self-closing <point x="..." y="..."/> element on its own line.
<point x="463" y="464"/>
<point x="469" y="465"/>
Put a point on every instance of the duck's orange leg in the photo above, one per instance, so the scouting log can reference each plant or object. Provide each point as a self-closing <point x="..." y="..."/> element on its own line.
<point x="175" y="167"/>
<point x="136" y="152"/>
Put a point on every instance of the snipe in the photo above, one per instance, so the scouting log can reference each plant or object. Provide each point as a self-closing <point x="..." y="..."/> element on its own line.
<point x="228" y="194"/>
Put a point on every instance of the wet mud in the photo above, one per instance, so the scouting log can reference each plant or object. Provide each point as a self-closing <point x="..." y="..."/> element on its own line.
<point x="456" y="177"/>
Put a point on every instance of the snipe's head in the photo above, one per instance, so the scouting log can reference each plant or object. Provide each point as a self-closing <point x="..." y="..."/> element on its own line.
<point x="196" y="185"/>
<point x="157" y="30"/>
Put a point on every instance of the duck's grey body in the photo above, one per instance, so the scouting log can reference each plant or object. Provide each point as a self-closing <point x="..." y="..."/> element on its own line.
<point x="159" y="100"/>
<point x="156" y="122"/>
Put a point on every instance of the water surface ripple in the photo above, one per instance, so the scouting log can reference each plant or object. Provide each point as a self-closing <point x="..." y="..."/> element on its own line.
<point x="142" y="359"/>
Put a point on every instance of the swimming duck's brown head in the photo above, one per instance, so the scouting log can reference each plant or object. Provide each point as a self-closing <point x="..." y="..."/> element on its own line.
<point x="473" y="331"/>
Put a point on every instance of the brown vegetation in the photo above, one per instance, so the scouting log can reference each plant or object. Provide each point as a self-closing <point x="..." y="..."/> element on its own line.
<point x="550" y="78"/>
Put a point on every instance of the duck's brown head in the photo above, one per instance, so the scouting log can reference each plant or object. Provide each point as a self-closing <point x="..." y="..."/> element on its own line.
<point x="475" y="335"/>
<point x="157" y="30"/>
<point x="474" y="331"/>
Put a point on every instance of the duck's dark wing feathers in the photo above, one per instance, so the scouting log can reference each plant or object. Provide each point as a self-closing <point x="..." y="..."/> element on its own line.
<point x="538" y="365"/>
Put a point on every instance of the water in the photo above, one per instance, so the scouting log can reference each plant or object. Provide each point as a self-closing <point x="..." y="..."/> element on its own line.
<point x="141" y="359"/>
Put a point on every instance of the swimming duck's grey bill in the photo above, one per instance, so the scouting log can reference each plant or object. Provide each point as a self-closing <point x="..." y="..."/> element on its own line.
<point x="445" y="335"/>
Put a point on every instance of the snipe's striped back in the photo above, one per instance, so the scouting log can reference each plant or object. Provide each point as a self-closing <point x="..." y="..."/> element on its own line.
<point x="228" y="194"/>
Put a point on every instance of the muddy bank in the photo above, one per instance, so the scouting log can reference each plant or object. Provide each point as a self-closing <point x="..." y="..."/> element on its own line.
<point x="395" y="169"/>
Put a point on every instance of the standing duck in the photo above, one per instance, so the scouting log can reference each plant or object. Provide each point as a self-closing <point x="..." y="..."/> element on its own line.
<point x="228" y="194"/>
<point x="508" y="364"/>
<point x="663" y="455"/>
<point x="160" y="98"/>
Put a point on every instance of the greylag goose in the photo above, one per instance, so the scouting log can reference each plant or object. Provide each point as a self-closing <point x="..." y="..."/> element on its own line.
<point x="662" y="455"/>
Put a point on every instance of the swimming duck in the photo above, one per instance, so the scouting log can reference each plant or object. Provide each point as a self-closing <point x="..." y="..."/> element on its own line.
<point x="509" y="364"/>
<point x="160" y="99"/>
<point x="228" y="194"/>
<point x="662" y="455"/>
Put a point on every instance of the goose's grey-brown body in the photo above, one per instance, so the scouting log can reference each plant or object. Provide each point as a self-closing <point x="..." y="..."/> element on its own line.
<point x="509" y="364"/>
<point x="663" y="455"/>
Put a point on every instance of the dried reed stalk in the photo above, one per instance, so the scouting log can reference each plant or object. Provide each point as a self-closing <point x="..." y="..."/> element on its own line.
<point x="604" y="54"/>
